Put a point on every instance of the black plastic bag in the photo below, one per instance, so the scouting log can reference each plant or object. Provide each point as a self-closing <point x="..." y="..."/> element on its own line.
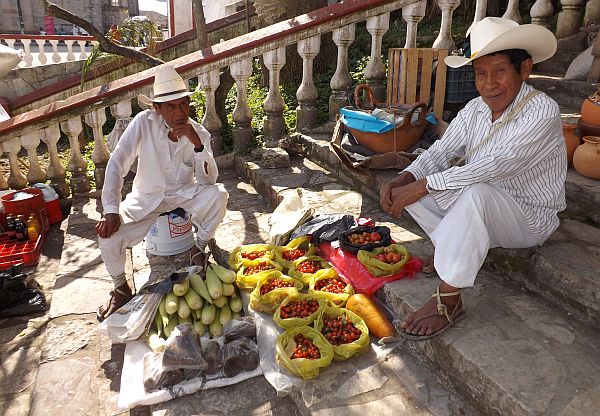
<point x="238" y="328"/>
<point x="183" y="350"/>
<point x="384" y="232"/>
<point x="30" y="302"/>
<point x="12" y="284"/>
<point x="211" y="351"/>
<point x="155" y="377"/>
<point x="325" y="227"/>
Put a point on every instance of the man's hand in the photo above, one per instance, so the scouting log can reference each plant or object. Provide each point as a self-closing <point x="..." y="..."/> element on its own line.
<point x="188" y="131"/>
<point x="385" y="192"/>
<point x="405" y="195"/>
<point x="108" y="225"/>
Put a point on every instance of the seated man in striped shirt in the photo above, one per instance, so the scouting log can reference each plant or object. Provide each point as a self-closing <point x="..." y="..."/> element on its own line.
<point x="509" y="182"/>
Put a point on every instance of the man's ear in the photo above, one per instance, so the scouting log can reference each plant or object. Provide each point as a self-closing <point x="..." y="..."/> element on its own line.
<point x="526" y="68"/>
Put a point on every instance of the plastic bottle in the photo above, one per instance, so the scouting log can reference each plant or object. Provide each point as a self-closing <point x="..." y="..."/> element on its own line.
<point x="10" y="227"/>
<point x="32" y="231"/>
<point x="36" y="224"/>
<point x="22" y="234"/>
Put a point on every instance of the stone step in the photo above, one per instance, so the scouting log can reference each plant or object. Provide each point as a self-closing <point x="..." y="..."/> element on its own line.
<point x="513" y="354"/>
<point x="568" y="93"/>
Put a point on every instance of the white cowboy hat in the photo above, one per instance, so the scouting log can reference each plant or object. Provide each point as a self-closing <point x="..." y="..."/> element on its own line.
<point x="168" y="86"/>
<point x="494" y="34"/>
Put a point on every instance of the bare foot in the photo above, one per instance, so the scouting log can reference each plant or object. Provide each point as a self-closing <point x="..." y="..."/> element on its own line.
<point x="118" y="297"/>
<point x="426" y="320"/>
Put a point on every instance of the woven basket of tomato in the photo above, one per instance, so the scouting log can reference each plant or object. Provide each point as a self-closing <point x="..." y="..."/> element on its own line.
<point x="303" y="351"/>
<point x="305" y="268"/>
<point x="298" y="247"/>
<point x="331" y="285"/>
<point x="250" y="273"/>
<point x="245" y="254"/>
<point x="364" y="238"/>
<point x="384" y="261"/>
<point x="299" y="310"/>
<point x="271" y="290"/>
<point x="345" y="330"/>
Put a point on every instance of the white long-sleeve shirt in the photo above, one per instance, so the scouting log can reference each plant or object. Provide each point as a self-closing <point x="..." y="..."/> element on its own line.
<point x="526" y="158"/>
<point x="161" y="171"/>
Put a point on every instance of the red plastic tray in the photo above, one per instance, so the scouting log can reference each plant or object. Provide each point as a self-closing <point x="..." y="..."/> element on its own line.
<point x="15" y="252"/>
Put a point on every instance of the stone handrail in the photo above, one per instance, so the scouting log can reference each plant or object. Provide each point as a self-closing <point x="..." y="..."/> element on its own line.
<point x="47" y="47"/>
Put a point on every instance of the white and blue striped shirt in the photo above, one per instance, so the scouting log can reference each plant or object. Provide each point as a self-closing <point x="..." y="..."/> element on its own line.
<point x="526" y="158"/>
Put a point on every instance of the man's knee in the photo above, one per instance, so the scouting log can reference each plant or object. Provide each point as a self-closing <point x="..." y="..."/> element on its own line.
<point x="480" y="193"/>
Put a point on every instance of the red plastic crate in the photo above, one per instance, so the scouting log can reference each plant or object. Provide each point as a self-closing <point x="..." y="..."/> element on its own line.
<point x="15" y="252"/>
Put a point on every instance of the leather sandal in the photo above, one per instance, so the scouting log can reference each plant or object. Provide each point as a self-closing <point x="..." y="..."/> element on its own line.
<point x="442" y="310"/>
<point x="118" y="298"/>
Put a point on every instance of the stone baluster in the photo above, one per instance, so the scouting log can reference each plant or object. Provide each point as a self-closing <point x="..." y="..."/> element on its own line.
<point x="55" y="55"/>
<point x="375" y="69"/>
<point x="480" y="12"/>
<point x="80" y="184"/>
<point x="592" y="13"/>
<point x="56" y="171"/>
<point x="70" y="55"/>
<point x="209" y="82"/>
<point x="242" y="115"/>
<point x="121" y="111"/>
<point x="274" y="125"/>
<point x="16" y="180"/>
<point x="41" y="52"/>
<point x="11" y="44"/>
<point x="541" y="13"/>
<point x="341" y="81"/>
<point x="100" y="155"/>
<point x="82" y="51"/>
<point x="413" y="14"/>
<point x="444" y="39"/>
<point x="28" y="58"/>
<point x="307" y="94"/>
<point x="3" y="182"/>
<point x="30" y="141"/>
<point x="512" y="11"/>
<point x="569" y="18"/>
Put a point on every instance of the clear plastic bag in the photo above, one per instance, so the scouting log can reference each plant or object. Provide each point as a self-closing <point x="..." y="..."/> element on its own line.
<point x="155" y="376"/>
<point x="211" y="351"/>
<point x="183" y="350"/>
<point x="239" y="355"/>
<point x="238" y="328"/>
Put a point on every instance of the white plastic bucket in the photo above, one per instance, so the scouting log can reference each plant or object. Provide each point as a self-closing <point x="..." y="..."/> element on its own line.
<point x="170" y="234"/>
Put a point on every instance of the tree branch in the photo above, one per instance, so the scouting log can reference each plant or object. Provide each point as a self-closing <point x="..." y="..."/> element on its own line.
<point x="200" y="23"/>
<point x="105" y="44"/>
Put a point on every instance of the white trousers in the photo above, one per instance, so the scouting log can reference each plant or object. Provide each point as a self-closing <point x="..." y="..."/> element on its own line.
<point x="207" y="208"/>
<point x="483" y="217"/>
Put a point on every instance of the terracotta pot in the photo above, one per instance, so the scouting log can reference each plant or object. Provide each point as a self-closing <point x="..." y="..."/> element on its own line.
<point x="571" y="139"/>
<point x="587" y="157"/>
<point x="590" y="112"/>
<point x="587" y="129"/>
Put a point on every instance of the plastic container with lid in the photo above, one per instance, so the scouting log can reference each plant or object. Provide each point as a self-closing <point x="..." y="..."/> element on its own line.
<point x="52" y="202"/>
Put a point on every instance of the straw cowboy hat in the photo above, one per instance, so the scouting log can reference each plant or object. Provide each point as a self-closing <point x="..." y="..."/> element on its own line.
<point x="494" y="34"/>
<point x="168" y="86"/>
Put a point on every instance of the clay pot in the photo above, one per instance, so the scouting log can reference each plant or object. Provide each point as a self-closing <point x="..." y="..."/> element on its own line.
<point x="587" y="157"/>
<point x="590" y="112"/>
<point x="571" y="139"/>
<point x="587" y="129"/>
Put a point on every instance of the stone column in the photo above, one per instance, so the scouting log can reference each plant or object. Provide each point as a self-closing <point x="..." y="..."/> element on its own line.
<point x="100" y="154"/>
<point x="3" y="183"/>
<point x="375" y="69"/>
<point x="16" y="180"/>
<point x="444" y="39"/>
<point x="121" y="111"/>
<point x="70" y="55"/>
<point x="80" y="184"/>
<point x="341" y="82"/>
<point x="274" y="125"/>
<point x="55" y="55"/>
<point x="28" y="58"/>
<point x="592" y="13"/>
<point x="512" y="11"/>
<point x="209" y="82"/>
<point x="569" y="19"/>
<point x="412" y="15"/>
<point x="480" y="12"/>
<point x="541" y="13"/>
<point x="242" y="115"/>
<point x="56" y="171"/>
<point x="41" y="52"/>
<point x="30" y="142"/>
<point x="307" y="94"/>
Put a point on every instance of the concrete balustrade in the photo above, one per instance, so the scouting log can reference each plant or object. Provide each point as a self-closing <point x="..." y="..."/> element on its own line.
<point x="48" y="49"/>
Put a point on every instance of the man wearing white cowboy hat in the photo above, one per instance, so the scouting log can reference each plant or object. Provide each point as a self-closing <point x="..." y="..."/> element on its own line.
<point x="509" y="182"/>
<point x="176" y="169"/>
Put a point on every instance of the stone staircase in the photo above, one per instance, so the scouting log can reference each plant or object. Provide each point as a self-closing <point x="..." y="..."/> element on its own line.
<point x="529" y="344"/>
